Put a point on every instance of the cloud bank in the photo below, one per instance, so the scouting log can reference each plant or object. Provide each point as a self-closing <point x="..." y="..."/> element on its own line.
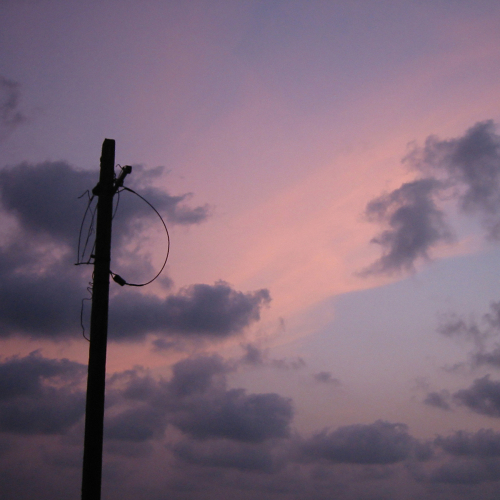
<point x="208" y="436"/>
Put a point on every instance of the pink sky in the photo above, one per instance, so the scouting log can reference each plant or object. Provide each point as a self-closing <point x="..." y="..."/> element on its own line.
<point x="285" y="119"/>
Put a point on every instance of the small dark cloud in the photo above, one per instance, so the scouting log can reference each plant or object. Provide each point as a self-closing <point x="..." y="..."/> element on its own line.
<point x="438" y="400"/>
<point x="10" y="114"/>
<point x="326" y="378"/>
<point x="40" y="395"/>
<point x="288" y="364"/>
<point x="482" y="397"/>
<point x="415" y="224"/>
<point x="377" y="443"/>
<point x="254" y="356"/>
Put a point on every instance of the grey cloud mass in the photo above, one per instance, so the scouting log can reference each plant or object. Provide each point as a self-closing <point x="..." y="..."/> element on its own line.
<point x="378" y="443"/>
<point x="213" y="310"/>
<point x="204" y="408"/>
<point x="483" y="443"/>
<point x="26" y="188"/>
<point x="196" y="401"/>
<point x="415" y="224"/>
<point x="471" y="162"/>
<point x="482" y="397"/>
<point x="40" y="395"/>
<point x="41" y="290"/>
<point x="222" y="436"/>
<point x="464" y="169"/>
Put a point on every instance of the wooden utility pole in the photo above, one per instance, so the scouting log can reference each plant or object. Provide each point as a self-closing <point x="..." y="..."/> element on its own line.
<point x="94" y="413"/>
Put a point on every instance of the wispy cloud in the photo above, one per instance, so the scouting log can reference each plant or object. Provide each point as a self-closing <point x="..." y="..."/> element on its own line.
<point x="11" y="115"/>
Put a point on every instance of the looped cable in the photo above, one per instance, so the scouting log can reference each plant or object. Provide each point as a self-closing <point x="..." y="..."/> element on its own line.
<point x="117" y="278"/>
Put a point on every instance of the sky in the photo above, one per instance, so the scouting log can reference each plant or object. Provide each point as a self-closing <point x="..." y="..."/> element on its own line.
<point x="328" y="321"/>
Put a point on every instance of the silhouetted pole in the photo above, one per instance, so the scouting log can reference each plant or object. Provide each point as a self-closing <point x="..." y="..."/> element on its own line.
<point x="94" y="413"/>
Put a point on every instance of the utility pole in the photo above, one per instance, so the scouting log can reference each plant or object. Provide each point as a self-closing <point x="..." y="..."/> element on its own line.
<point x="94" y="412"/>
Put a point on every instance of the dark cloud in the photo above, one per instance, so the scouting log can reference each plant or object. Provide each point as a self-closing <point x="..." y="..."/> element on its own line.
<point x="438" y="400"/>
<point x="235" y="415"/>
<point x="415" y="225"/>
<point x="40" y="395"/>
<point x="483" y="443"/>
<point x="471" y="163"/>
<point x="464" y="169"/>
<point x="228" y="437"/>
<point x="212" y="310"/>
<point x="197" y="402"/>
<point x="465" y="472"/>
<point x="254" y="356"/>
<point x="489" y="358"/>
<point x="135" y="424"/>
<point x="44" y="396"/>
<point x="326" y="378"/>
<point x="38" y="303"/>
<point x="41" y="291"/>
<point x="377" y="443"/>
<point x="204" y="408"/>
<point x="44" y="198"/>
<point x="10" y="114"/>
<point x="458" y="327"/>
<point x="197" y="375"/>
<point x="475" y="457"/>
<point x="482" y="397"/>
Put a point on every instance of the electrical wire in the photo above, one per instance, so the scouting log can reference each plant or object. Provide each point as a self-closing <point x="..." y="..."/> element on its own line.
<point x="90" y="232"/>
<point x="90" y="289"/>
<point x="118" y="193"/>
<point x="118" y="279"/>
<point x="117" y="204"/>
<point x="79" y="257"/>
